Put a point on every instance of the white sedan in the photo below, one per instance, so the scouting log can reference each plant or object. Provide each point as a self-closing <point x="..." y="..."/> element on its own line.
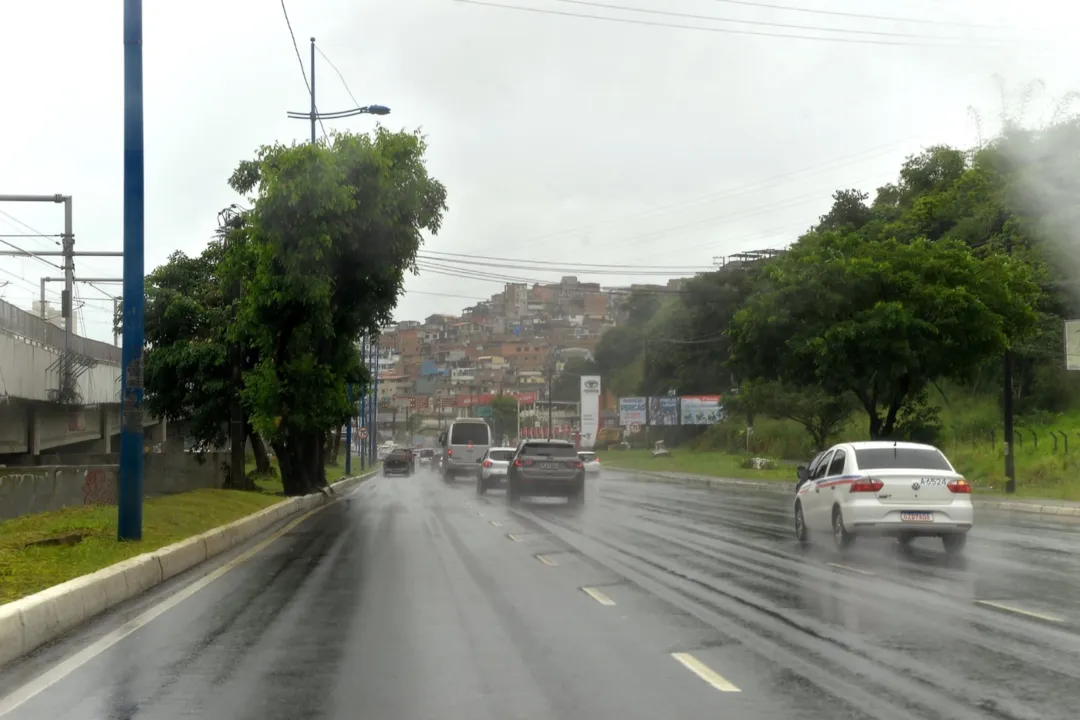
<point x="897" y="489"/>
<point x="590" y="461"/>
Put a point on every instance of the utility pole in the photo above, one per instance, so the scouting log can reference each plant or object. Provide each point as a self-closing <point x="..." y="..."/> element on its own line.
<point x="1007" y="409"/>
<point x="348" y="433"/>
<point x="237" y="427"/>
<point x="314" y="116"/>
<point x="551" y="384"/>
<point x="363" y="400"/>
<point x="374" y="435"/>
<point x="130" y="495"/>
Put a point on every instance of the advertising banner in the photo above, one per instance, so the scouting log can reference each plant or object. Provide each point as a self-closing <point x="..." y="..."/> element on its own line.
<point x="632" y="411"/>
<point x="701" y="409"/>
<point x="664" y="410"/>
<point x="590" y="410"/>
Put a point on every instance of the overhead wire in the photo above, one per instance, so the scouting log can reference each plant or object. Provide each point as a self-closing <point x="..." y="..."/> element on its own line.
<point x="303" y="72"/>
<point x="340" y="76"/>
<point x="861" y="16"/>
<point x="732" y="31"/>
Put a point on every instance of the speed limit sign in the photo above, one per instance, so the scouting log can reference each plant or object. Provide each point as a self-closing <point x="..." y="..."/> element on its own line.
<point x="362" y="433"/>
<point x="635" y="428"/>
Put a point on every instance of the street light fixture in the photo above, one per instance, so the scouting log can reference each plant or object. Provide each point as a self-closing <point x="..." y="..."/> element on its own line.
<point x="314" y="116"/>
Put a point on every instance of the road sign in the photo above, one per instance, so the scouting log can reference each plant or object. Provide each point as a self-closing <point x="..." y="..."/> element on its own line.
<point x="635" y="428"/>
<point x="362" y="433"/>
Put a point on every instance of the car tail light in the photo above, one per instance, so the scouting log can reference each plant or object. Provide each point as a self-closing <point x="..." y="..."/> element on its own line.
<point x="487" y="463"/>
<point x="959" y="486"/>
<point x="517" y="462"/>
<point x="866" y="485"/>
<point x="577" y="464"/>
<point x="450" y="452"/>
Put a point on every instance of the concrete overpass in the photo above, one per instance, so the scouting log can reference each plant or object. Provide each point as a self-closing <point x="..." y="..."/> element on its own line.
<point x="57" y="396"/>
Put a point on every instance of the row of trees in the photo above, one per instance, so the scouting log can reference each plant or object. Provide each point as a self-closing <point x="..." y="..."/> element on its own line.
<point x="969" y="254"/>
<point x="271" y="312"/>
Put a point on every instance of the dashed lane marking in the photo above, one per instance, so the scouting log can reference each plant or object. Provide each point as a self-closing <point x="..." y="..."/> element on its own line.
<point x="598" y="596"/>
<point x="547" y="560"/>
<point x="1021" y="611"/>
<point x="513" y="537"/>
<point x="703" y="671"/>
<point x="495" y="524"/>
<point x="850" y="569"/>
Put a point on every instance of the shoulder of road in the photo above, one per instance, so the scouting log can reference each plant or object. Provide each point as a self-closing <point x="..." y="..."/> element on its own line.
<point x="1024" y="505"/>
<point x="32" y="621"/>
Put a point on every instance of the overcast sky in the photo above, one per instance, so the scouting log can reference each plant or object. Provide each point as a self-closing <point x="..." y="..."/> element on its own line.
<point x="559" y="138"/>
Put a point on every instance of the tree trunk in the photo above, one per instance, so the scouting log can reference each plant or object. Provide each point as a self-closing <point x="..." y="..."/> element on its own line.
<point x="300" y="458"/>
<point x="262" y="457"/>
<point x="336" y="447"/>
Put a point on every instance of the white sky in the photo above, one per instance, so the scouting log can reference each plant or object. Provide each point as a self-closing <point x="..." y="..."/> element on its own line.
<point x="559" y="138"/>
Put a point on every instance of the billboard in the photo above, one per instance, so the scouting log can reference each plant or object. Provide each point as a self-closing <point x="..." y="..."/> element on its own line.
<point x="632" y="411"/>
<point x="590" y="410"/>
<point x="701" y="409"/>
<point x="664" y="410"/>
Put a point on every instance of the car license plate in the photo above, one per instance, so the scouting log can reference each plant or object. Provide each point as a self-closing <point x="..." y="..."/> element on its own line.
<point x="549" y="466"/>
<point x="917" y="517"/>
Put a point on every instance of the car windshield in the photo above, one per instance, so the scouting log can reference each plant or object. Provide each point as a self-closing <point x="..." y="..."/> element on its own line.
<point x="501" y="455"/>
<point x="549" y="450"/>
<point x="901" y="458"/>
<point x="469" y="434"/>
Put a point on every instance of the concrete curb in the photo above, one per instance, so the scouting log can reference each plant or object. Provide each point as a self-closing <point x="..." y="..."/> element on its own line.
<point x="32" y="621"/>
<point x="786" y="487"/>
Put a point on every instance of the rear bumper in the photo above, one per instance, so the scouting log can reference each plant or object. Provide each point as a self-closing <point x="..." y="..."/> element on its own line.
<point x="493" y="478"/>
<point x="873" y="518"/>
<point x="549" y="487"/>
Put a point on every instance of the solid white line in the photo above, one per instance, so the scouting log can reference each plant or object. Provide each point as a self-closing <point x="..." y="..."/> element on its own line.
<point x="1021" y="611"/>
<point x="60" y="671"/>
<point x="546" y="560"/>
<point x="850" y="569"/>
<point x="598" y="596"/>
<point x="704" y="672"/>
<point x="495" y="523"/>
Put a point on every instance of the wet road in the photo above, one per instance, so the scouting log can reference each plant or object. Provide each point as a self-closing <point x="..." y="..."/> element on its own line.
<point x="413" y="600"/>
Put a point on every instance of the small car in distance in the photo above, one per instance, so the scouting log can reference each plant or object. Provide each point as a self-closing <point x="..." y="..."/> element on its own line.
<point x="546" y="468"/>
<point x="493" y="468"/>
<point x="590" y="460"/>
<point x="884" y="488"/>
<point x="426" y="456"/>
<point x="398" y="461"/>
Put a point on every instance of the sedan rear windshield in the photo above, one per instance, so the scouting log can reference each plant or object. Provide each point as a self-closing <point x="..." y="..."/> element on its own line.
<point x="549" y="450"/>
<point x="501" y="455"/>
<point x="587" y="457"/>
<point x="901" y="459"/>
<point x="469" y="434"/>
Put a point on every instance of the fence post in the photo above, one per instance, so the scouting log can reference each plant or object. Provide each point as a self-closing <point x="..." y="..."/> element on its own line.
<point x="1019" y="437"/>
<point x="1035" y="436"/>
<point x="1053" y="436"/>
<point x="993" y="439"/>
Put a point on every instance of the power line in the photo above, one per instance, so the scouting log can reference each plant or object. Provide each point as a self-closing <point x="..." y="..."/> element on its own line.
<point x="547" y="262"/>
<point x="765" y="23"/>
<point x="627" y="271"/>
<point x="340" y="76"/>
<point x="36" y="232"/>
<point x="863" y="16"/>
<point x="727" y="31"/>
<point x="303" y="72"/>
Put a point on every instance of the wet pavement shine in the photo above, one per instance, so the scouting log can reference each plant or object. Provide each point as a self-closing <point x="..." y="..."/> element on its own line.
<point x="411" y="599"/>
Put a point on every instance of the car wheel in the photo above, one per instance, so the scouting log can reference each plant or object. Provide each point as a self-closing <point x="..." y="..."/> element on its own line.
<point x="905" y="539"/>
<point x="577" y="496"/>
<point x="802" y="534"/>
<point x="513" y="494"/>
<point x="841" y="535"/>
<point x="954" y="544"/>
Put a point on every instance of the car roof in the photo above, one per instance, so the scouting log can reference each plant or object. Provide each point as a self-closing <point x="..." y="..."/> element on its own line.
<point x="553" y="441"/>
<point x="502" y="447"/>
<point x="886" y="444"/>
<point x="468" y="420"/>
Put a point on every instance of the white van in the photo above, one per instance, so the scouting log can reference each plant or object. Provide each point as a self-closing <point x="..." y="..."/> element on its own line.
<point x="463" y="446"/>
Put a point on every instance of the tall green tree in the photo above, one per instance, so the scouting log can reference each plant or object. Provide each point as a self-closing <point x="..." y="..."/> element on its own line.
<point x="881" y="319"/>
<point x="334" y="228"/>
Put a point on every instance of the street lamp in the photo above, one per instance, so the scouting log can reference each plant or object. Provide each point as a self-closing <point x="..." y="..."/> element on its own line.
<point x="314" y="116"/>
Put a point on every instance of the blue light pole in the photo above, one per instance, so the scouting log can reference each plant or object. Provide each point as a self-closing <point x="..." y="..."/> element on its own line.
<point x="130" y="490"/>
<point x="348" y="433"/>
<point x="375" y="409"/>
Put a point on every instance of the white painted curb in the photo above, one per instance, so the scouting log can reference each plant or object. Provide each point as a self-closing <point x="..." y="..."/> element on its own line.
<point x="32" y="621"/>
<point x="787" y="487"/>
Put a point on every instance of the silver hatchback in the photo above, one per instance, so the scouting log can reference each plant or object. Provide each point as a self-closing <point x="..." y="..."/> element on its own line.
<point x="493" y="467"/>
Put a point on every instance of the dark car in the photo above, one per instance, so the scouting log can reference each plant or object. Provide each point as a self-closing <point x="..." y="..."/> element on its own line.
<point x="399" y="462"/>
<point x="546" y="468"/>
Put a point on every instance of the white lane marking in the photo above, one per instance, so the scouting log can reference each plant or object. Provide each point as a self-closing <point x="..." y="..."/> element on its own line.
<point x="1021" y="611"/>
<point x="850" y="569"/>
<point x="480" y="513"/>
<point x="598" y="596"/>
<point x="513" y="537"/>
<point x="546" y="560"/>
<point x="704" y="672"/>
<point x="58" y="672"/>
<point x="496" y="524"/>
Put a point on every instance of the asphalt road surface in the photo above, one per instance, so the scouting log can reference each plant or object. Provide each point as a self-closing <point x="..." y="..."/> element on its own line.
<point x="412" y="600"/>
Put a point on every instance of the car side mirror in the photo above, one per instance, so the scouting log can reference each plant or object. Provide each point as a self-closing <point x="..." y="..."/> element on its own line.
<point x="481" y="460"/>
<point x="802" y="472"/>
